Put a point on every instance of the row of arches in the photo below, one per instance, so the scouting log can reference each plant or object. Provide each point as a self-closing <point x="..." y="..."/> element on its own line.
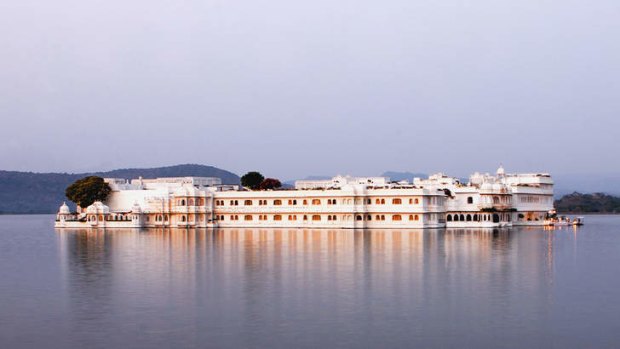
<point x="479" y="217"/>
<point x="318" y="217"/>
<point x="193" y="202"/>
<point x="293" y="202"/>
<point x="395" y="217"/>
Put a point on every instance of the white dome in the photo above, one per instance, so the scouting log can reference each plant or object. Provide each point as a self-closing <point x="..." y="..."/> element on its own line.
<point x="97" y="207"/>
<point x="497" y="187"/>
<point x="64" y="209"/>
<point x="487" y="186"/>
<point x="501" y="171"/>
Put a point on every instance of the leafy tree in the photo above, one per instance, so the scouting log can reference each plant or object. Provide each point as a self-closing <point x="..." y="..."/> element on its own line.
<point x="270" y="183"/>
<point x="87" y="190"/>
<point x="252" y="180"/>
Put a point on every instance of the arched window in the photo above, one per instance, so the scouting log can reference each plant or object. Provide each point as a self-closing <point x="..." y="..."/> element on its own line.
<point x="475" y="217"/>
<point x="416" y="201"/>
<point x="247" y="203"/>
<point x="449" y="219"/>
<point x="397" y="217"/>
<point x="183" y="218"/>
<point x="290" y="217"/>
<point x="294" y="202"/>
<point x="369" y="218"/>
<point x="377" y="201"/>
<point x="358" y="217"/>
<point x="316" y="201"/>
<point x="470" y="200"/>
<point x="305" y="202"/>
<point x="182" y="202"/>
<point x="305" y="218"/>
<point x="461" y="217"/>
<point x="468" y="218"/>
<point x="456" y="217"/>
<point x="277" y="202"/>
<point x="495" y="200"/>
<point x="334" y="218"/>
<point x="397" y="201"/>
<point x="377" y="218"/>
<point x="416" y="217"/>
<point x="316" y="217"/>
<point x="410" y="201"/>
<point x="247" y="217"/>
<point x="329" y="218"/>
<point x="382" y="201"/>
<point x="277" y="217"/>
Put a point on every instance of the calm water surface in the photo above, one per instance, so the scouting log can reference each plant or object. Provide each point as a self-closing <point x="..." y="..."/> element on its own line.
<point x="285" y="288"/>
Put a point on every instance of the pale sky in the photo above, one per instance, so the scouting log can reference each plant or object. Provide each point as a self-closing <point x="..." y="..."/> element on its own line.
<point x="296" y="88"/>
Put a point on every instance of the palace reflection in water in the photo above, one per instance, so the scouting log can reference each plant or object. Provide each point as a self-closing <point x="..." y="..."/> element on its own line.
<point x="286" y="287"/>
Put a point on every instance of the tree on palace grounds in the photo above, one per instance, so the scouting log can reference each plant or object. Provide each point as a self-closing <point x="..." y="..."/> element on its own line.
<point x="270" y="183"/>
<point x="87" y="190"/>
<point x="252" y="180"/>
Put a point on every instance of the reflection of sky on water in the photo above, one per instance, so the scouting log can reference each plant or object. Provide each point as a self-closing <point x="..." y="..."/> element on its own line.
<point x="309" y="288"/>
<point x="290" y="286"/>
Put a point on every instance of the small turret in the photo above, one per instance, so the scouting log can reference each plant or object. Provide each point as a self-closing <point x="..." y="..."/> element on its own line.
<point x="500" y="171"/>
<point x="64" y="209"/>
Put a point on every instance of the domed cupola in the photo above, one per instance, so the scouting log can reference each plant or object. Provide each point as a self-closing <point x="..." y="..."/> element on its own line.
<point x="64" y="209"/>
<point x="486" y="186"/>
<point x="500" y="171"/>
<point x="97" y="207"/>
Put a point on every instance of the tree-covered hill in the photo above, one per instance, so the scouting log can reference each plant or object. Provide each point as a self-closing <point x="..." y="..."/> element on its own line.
<point x="28" y="192"/>
<point x="588" y="203"/>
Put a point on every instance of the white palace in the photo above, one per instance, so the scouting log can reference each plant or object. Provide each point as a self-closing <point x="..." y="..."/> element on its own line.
<point x="343" y="202"/>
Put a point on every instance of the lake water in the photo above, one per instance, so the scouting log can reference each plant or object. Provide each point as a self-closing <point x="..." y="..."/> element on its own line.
<point x="288" y="288"/>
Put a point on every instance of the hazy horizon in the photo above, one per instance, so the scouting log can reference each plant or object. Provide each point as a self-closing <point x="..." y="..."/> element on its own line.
<point x="318" y="88"/>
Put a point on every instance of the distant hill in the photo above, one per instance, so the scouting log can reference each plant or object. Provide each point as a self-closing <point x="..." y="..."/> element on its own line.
<point x="28" y="192"/>
<point x="291" y="182"/>
<point x="400" y="176"/>
<point x="591" y="183"/>
<point x="394" y="176"/>
<point x="588" y="203"/>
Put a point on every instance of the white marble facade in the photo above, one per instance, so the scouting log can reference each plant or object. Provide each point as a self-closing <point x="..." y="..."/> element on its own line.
<point x="343" y="202"/>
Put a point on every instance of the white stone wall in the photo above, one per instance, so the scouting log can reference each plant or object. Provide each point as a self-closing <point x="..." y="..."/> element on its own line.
<point x="369" y="202"/>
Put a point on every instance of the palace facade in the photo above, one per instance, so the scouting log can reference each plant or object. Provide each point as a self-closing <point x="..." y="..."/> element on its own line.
<point x="342" y="202"/>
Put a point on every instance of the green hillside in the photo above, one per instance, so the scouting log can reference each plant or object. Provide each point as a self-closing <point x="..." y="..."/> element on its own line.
<point x="588" y="203"/>
<point x="28" y="192"/>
